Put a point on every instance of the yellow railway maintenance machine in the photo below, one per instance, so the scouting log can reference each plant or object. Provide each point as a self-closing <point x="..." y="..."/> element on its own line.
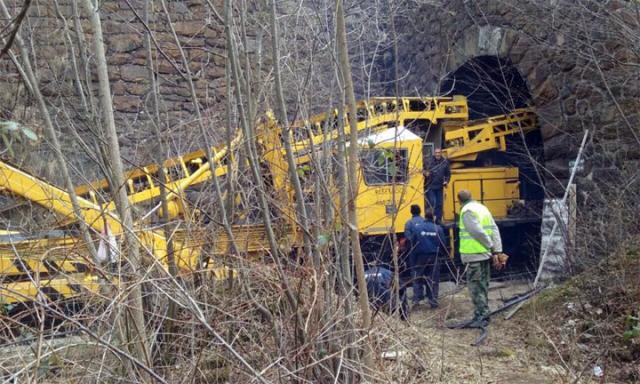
<point x="392" y="135"/>
<point x="392" y="177"/>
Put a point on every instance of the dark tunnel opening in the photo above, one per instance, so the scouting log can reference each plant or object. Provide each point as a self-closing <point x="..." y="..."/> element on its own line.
<point x="494" y="86"/>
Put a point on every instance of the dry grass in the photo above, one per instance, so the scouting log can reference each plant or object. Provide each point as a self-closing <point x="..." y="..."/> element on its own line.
<point x="584" y="321"/>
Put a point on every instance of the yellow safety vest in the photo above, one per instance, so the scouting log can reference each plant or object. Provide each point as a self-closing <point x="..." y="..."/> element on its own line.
<point x="467" y="243"/>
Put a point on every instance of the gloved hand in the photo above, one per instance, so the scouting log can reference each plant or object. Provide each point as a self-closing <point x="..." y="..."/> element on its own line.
<point x="499" y="260"/>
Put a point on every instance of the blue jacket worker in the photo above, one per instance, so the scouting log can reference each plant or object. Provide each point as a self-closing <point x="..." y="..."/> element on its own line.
<point x="427" y="242"/>
<point x="379" y="281"/>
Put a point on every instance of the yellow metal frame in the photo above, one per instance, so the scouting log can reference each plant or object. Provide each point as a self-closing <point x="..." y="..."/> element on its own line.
<point x="466" y="142"/>
<point x="496" y="186"/>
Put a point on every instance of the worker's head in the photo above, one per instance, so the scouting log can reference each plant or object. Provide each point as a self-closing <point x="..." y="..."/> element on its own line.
<point x="428" y="214"/>
<point x="438" y="153"/>
<point x="464" y="196"/>
<point x="415" y="210"/>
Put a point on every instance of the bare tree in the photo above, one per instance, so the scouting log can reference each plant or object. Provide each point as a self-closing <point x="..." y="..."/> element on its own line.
<point x="136" y="333"/>
<point x="345" y="71"/>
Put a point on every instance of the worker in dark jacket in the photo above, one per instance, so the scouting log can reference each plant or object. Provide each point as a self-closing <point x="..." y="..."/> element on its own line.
<point x="438" y="177"/>
<point x="409" y="227"/>
<point x="379" y="283"/>
<point x="427" y="241"/>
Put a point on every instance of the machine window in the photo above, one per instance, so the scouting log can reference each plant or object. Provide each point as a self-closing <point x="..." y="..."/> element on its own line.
<point x="384" y="166"/>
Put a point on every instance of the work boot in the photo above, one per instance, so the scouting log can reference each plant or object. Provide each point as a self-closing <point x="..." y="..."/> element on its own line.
<point x="478" y="323"/>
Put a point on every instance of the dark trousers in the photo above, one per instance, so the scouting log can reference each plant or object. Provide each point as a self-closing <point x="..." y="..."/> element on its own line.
<point x="435" y="198"/>
<point x="426" y="277"/>
<point x="381" y="297"/>
<point x="478" y="280"/>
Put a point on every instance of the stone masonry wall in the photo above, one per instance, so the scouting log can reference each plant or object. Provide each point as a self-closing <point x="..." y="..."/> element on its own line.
<point x="579" y="59"/>
<point x="51" y="33"/>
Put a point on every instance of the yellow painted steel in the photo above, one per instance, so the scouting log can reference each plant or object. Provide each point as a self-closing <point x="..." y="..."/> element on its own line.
<point x="465" y="142"/>
<point x="49" y="289"/>
<point x="383" y="206"/>
<point x="59" y="201"/>
<point x="495" y="187"/>
<point x="377" y="203"/>
<point x="143" y="184"/>
<point x="375" y="114"/>
<point x="195" y="168"/>
<point x="23" y="184"/>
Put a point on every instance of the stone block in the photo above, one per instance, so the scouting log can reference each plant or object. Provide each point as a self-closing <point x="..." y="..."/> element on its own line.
<point x="548" y="129"/>
<point x="118" y="59"/>
<point x="583" y="89"/>
<point x="214" y="32"/>
<point x="607" y="113"/>
<point x="189" y="28"/>
<point x="198" y="55"/>
<point x="559" y="167"/>
<point x="545" y="92"/>
<point x="218" y="83"/>
<point x="215" y="43"/>
<point x="109" y="7"/>
<point x="470" y="46"/>
<point x="550" y="118"/>
<point x="165" y="67"/>
<point x="111" y="26"/>
<point x="134" y="73"/>
<point x="113" y="72"/>
<point x="519" y="48"/>
<point x="119" y="87"/>
<point x="214" y="72"/>
<point x="508" y="40"/>
<point x="138" y="89"/>
<point x="126" y="103"/>
<point x="124" y="43"/>
<point x="626" y="55"/>
<point x="489" y="40"/>
<point x="569" y="105"/>
<point x="556" y="146"/>
<point x="582" y="107"/>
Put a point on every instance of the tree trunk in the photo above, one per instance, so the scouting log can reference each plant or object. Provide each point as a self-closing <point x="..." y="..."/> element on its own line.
<point x="137" y="338"/>
<point x="345" y="70"/>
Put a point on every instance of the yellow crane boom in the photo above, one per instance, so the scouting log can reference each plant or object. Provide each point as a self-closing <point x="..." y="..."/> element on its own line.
<point x="43" y="193"/>
<point x="465" y="142"/>
<point x="194" y="168"/>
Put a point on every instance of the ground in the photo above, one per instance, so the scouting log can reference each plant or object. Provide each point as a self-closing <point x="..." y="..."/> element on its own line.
<point x="429" y="352"/>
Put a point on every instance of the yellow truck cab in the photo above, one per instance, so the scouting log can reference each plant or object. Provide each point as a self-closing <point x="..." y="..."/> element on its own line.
<point x="390" y="180"/>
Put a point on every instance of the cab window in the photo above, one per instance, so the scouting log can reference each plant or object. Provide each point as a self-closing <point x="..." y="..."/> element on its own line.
<point x="384" y="166"/>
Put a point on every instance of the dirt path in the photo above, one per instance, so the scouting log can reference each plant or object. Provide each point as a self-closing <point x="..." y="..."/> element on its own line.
<point x="431" y="353"/>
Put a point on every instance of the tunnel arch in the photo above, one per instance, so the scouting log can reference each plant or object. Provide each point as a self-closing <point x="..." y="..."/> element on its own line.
<point x="494" y="86"/>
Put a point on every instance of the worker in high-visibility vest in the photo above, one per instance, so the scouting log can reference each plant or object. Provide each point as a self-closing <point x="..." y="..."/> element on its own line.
<point x="480" y="242"/>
